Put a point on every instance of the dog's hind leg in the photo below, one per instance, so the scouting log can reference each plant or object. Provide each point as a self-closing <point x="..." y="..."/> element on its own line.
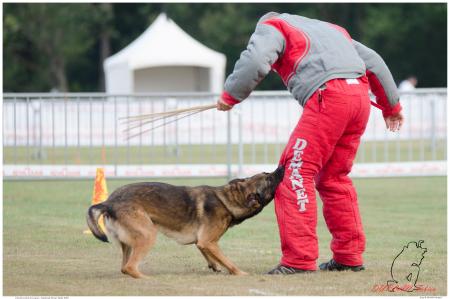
<point x="142" y="236"/>
<point x="126" y="251"/>
<point x="137" y="254"/>
<point x="212" y="264"/>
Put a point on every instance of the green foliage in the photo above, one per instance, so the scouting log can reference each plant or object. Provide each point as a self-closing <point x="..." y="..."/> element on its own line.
<point x="23" y="68"/>
<point x="61" y="45"/>
<point x="59" y="34"/>
<point x="419" y="43"/>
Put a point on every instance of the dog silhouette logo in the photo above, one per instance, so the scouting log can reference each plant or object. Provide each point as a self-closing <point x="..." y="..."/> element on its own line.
<point x="405" y="267"/>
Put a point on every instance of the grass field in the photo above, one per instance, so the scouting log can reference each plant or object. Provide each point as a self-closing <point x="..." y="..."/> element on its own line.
<point x="212" y="154"/>
<point x="46" y="253"/>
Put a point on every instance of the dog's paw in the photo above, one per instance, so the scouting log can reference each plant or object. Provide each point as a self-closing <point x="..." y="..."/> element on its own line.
<point x="240" y="273"/>
<point x="215" y="268"/>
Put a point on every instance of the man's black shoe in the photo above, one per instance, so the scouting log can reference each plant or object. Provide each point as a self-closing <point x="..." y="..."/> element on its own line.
<point x="286" y="270"/>
<point x="332" y="265"/>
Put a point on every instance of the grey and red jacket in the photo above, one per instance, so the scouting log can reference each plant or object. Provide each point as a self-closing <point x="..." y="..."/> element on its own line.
<point x="306" y="53"/>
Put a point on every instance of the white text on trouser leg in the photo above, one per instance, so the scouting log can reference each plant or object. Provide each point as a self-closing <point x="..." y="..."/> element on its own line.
<point x="296" y="178"/>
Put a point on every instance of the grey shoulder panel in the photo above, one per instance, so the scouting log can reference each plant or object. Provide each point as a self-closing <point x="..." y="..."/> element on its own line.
<point x="267" y="16"/>
<point x="375" y="64"/>
<point x="264" y="47"/>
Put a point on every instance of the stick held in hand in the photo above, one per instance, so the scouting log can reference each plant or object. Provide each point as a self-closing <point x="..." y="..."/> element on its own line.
<point x="139" y="121"/>
<point x="170" y="113"/>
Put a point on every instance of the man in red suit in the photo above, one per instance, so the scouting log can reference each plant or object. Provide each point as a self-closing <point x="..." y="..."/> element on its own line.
<point x="329" y="74"/>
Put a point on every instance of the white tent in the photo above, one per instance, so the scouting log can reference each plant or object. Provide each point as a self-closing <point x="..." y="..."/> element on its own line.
<point x="164" y="59"/>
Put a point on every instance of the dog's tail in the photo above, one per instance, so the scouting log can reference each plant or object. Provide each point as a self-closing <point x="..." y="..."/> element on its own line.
<point x="92" y="216"/>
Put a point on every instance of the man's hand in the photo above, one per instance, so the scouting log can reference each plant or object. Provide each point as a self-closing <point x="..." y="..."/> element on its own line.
<point x="223" y="106"/>
<point x="394" y="122"/>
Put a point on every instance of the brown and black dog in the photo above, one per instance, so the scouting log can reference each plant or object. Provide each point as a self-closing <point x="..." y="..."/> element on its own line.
<point x="191" y="215"/>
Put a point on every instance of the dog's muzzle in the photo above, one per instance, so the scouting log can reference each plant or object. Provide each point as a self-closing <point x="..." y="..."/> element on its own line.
<point x="279" y="173"/>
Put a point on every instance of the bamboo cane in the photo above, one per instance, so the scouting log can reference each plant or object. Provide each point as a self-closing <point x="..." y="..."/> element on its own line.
<point x="162" y="125"/>
<point x="169" y="113"/>
<point x="139" y="121"/>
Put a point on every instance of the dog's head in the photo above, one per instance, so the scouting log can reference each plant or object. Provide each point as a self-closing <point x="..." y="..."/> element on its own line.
<point x="254" y="193"/>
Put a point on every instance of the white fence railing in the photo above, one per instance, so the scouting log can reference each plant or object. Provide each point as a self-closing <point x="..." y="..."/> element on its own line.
<point x="84" y="129"/>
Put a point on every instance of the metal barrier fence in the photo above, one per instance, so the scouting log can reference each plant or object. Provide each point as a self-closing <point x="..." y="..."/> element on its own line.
<point x="49" y="129"/>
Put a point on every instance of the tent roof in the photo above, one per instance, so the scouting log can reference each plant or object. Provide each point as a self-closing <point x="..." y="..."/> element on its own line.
<point x="162" y="44"/>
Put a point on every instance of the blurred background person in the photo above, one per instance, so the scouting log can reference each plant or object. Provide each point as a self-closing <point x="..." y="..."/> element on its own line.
<point x="408" y="84"/>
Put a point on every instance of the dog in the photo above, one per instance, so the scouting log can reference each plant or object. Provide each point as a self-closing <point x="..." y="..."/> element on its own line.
<point x="134" y="213"/>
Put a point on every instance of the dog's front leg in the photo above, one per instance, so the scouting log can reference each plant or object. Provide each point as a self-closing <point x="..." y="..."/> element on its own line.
<point x="212" y="248"/>
<point x="212" y="264"/>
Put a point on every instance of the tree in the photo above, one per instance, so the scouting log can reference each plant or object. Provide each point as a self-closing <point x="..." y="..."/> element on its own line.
<point x="64" y="45"/>
<point x="104" y="17"/>
<point x="59" y="32"/>
<point x="24" y="69"/>
<point x="411" y="38"/>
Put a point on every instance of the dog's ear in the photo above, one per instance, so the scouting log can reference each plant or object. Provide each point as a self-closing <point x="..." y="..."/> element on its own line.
<point x="234" y="184"/>
<point x="253" y="201"/>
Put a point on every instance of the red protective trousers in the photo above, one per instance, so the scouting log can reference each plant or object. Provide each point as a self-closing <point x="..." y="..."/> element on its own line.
<point x="319" y="155"/>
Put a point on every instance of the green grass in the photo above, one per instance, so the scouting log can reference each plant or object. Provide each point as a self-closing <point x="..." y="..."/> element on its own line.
<point x="46" y="253"/>
<point x="212" y="154"/>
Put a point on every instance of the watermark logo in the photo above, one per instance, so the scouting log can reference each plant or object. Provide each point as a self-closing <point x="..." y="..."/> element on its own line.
<point x="405" y="269"/>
